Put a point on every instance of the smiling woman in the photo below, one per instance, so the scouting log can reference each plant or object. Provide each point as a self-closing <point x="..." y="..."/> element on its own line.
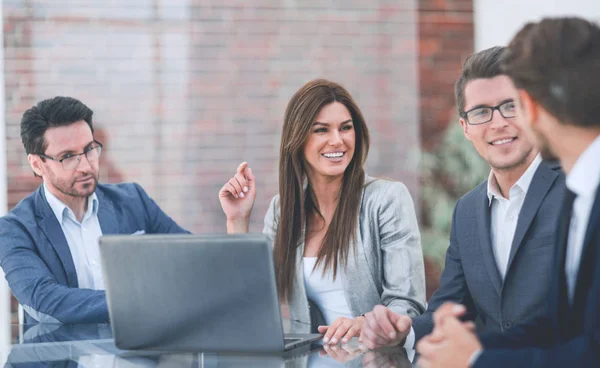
<point x="342" y="240"/>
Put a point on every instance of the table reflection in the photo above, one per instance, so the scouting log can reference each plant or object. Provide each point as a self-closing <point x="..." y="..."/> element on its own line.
<point x="92" y="346"/>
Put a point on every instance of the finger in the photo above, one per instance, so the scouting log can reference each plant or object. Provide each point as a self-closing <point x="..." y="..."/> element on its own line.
<point x="231" y="189"/>
<point x="384" y="318"/>
<point x="331" y="351"/>
<point x="403" y="324"/>
<point x="332" y="329"/>
<point x="437" y="334"/>
<point x="341" y="331"/>
<point x="373" y="325"/>
<point x="371" y="340"/>
<point x="369" y="335"/>
<point x="322" y="329"/>
<point x="470" y="325"/>
<point x="235" y="183"/>
<point x="450" y="328"/>
<point x="352" y="331"/>
<point x="241" y="179"/>
<point x="426" y="346"/>
<point x="242" y="167"/>
<point x="251" y="178"/>
<point x="448" y="310"/>
<point x="338" y="351"/>
<point x="363" y="348"/>
<point x="365" y="339"/>
<point x="442" y="312"/>
<point x="454" y="327"/>
<point x="226" y="191"/>
<point x="352" y="351"/>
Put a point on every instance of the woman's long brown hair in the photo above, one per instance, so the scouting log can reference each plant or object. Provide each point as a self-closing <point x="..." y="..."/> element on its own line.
<point x="295" y="204"/>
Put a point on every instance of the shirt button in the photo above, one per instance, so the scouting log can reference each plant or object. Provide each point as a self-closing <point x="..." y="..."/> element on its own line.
<point x="507" y="324"/>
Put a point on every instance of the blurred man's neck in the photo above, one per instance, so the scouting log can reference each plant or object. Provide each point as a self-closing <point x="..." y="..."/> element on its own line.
<point x="571" y="143"/>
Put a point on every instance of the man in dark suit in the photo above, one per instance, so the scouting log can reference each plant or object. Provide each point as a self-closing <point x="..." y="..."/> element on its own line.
<point x="49" y="241"/>
<point x="501" y="244"/>
<point x="555" y="66"/>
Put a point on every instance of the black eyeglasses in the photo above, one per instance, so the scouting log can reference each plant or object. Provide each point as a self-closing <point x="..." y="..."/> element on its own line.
<point x="484" y="114"/>
<point x="71" y="161"/>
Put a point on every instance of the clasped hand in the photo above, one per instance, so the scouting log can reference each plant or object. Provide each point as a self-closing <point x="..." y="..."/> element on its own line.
<point x="452" y="342"/>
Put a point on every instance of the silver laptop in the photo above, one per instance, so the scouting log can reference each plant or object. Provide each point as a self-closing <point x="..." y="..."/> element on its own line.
<point x="194" y="293"/>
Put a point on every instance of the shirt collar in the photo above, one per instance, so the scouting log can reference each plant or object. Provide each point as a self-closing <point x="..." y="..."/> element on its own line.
<point x="60" y="209"/>
<point x="585" y="175"/>
<point x="523" y="183"/>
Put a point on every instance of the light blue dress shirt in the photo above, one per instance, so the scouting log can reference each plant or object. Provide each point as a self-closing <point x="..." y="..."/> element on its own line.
<point x="82" y="238"/>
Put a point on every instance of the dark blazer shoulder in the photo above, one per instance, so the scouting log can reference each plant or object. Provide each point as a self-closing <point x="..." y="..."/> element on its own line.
<point x="25" y="210"/>
<point x="554" y="166"/>
<point x="469" y="201"/>
<point x="476" y="194"/>
<point x="119" y="190"/>
<point x="123" y="195"/>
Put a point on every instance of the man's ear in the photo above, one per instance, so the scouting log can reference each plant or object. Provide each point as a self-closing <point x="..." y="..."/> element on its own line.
<point x="465" y="127"/>
<point x="36" y="164"/>
<point x="529" y="108"/>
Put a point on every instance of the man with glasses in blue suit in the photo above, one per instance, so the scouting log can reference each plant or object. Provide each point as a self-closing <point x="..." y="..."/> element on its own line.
<point x="49" y="241"/>
<point x="555" y="66"/>
<point x="500" y="254"/>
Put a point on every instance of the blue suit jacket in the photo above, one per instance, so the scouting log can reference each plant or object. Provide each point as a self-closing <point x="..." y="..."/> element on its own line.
<point x="471" y="276"/>
<point x="37" y="262"/>
<point x="567" y="335"/>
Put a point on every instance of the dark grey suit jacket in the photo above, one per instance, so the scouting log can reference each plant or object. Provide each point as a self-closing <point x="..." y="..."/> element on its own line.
<point x="471" y="276"/>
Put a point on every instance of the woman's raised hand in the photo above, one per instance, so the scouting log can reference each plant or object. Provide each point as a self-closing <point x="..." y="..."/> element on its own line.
<point x="237" y="199"/>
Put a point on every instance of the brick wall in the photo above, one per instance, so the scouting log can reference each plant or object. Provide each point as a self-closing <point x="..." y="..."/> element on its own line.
<point x="185" y="90"/>
<point x="445" y="39"/>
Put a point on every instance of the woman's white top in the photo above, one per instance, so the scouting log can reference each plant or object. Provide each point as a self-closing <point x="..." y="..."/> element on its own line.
<point x="327" y="294"/>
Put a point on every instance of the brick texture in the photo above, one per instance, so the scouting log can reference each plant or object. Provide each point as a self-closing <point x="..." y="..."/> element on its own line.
<point x="445" y="39"/>
<point x="185" y="90"/>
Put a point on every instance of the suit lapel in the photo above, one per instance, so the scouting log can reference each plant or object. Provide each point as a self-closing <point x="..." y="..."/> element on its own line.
<point x="587" y="259"/>
<point x="541" y="183"/>
<point x="483" y="229"/>
<point x="47" y="221"/>
<point x="106" y="214"/>
<point x="559" y="302"/>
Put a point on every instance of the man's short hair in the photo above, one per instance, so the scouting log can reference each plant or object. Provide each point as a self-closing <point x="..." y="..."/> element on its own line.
<point x="557" y="61"/>
<point x="53" y="112"/>
<point x="482" y="64"/>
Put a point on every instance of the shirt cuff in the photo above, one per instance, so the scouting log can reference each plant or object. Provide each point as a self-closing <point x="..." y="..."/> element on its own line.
<point x="410" y="354"/>
<point x="410" y="339"/>
<point x="474" y="357"/>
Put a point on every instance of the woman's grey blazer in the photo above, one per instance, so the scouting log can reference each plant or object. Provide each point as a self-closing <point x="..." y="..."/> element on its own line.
<point x="385" y="265"/>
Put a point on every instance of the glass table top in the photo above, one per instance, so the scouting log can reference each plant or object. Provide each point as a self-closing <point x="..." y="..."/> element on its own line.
<point x="92" y="345"/>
